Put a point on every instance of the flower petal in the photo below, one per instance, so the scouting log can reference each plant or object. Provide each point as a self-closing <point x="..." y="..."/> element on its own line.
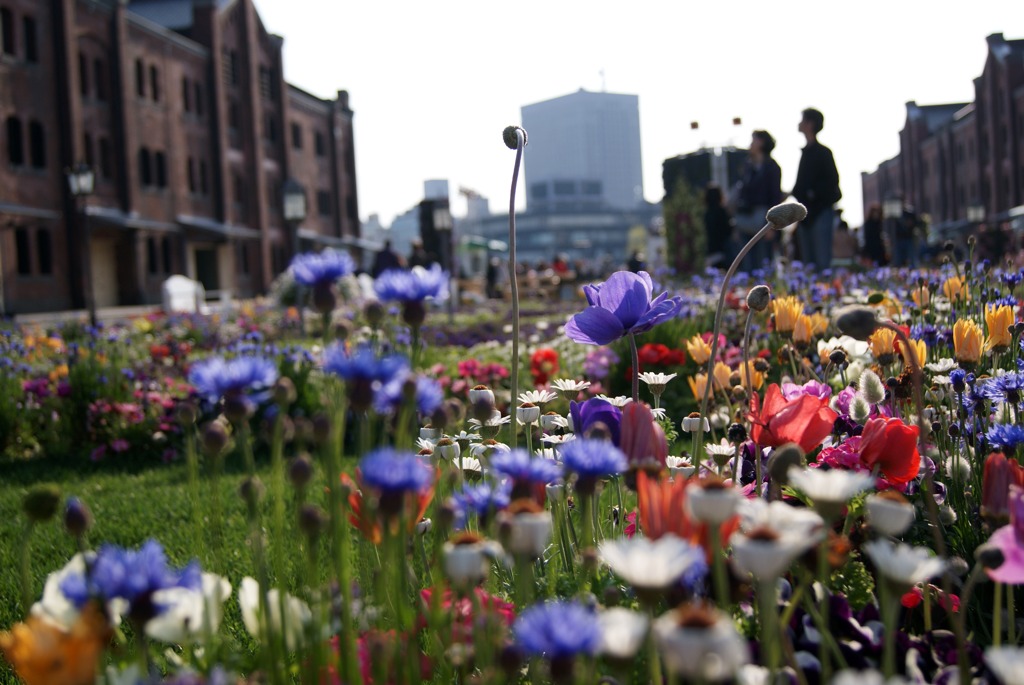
<point x="662" y="311"/>
<point x="627" y="295"/>
<point x="594" y="326"/>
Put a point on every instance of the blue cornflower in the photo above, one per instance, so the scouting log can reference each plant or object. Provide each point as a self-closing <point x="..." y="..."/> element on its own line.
<point x="393" y="471"/>
<point x="592" y="459"/>
<point x="1008" y="388"/>
<point x="363" y="364"/>
<point x="482" y="499"/>
<point x="249" y="376"/>
<point x="621" y="305"/>
<point x="958" y="377"/>
<point x="132" y="575"/>
<point x="319" y="268"/>
<point x="521" y="467"/>
<point x="390" y="395"/>
<point x="414" y="285"/>
<point x="557" y="630"/>
<point x="1007" y="436"/>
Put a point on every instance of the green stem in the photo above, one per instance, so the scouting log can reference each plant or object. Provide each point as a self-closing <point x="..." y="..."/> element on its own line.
<point x="767" y="598"/>
<point x="890" y="611"/>
<point x="636" y="367"/>
<point x="26" y="569"/>
<point x="192" y="465"/>
<point x="653" y="660"/>
<point x="997" y="616"/>
<point x="1011" y="622"/>
<point x="721" y="580"/>
<point x="513" y="279"/>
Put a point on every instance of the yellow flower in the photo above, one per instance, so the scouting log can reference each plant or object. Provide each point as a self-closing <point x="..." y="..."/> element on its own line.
<point x="786" y="310"/>
<point x="921" y="296"/>
<point x="967" y="337"/>
<point x="59" y="371"/>
<point x="698" y="385"/>
<point x="999" y="321"/>
<point x="722" y="374"/>
<point x="819" y="324"/>
<point x="955" y="288"/>
<point x="802" y="333"/>
<point x="881" y="342"/>
<point x="43" y="654"/>
<point x="919" y="348"/>
<point x="756" y="377"/>
<point x="142" y="324"/>
<point x="699" y="350"/>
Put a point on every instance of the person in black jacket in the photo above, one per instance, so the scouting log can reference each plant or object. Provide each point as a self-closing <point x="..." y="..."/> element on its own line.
<point x="759" y="191"/>
<point x="874" y="244"/>
<point x="718" y="226"/>
<point x="817" y="188"/>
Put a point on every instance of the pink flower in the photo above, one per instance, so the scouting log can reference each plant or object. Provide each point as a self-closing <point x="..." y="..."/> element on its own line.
<point x="120" y="445"/>
<point x="1010" y="541"/>
<point x="845" y="455"/>
<point x="813" y="388"/>
<point x="630" y="529"/>
<point x="98" y="453"/>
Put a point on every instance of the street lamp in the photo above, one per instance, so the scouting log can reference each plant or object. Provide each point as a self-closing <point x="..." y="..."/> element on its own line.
<point x="892" y="208"/>
<point x="443" y="224"/>
<point x="294" y="204"/>
<point x="81" y="183"/>
<point x="976" y="214"/>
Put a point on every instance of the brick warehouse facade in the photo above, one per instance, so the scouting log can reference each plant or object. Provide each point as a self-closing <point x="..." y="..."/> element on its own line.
<point x="963" y="156"/>
<point x="180" y="108"/>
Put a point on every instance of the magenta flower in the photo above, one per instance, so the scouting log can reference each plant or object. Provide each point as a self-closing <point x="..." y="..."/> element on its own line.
<point x="621" y="305"/>
<point x="791" y="391"/>
<point x="1010" y="541"/>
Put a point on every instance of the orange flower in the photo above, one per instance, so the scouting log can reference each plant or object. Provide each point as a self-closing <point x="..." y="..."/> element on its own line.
<point x="802" y="330"/>
<point x="967" y="339"/>
<point x="786" y="310"/>
<point x="722" y="374"/>
<point x="999" y="321"/>
<point x="756" y="377"/>
<point x="921" y="296"/>
<point x="662" y="506"/>
<point x="43" y="654"/>
<point x="920" y="349"/>
<point x="366" y="519"/>
<point x="699" y="350"/>
<point x="882" y="343"/>
<point x="955" y="288"/>
<point x="698" y="384"/>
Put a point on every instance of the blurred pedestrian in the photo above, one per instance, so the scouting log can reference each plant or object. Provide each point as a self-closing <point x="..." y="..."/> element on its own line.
<point x="385" y="260"/>
<point x="874" y="245"/>
<point x="719" y="228"/>
<point x="759" y="191"/>
<point x="904" y="238"/>
<point x="817" y="188"/>
<point x="636" y="262"/>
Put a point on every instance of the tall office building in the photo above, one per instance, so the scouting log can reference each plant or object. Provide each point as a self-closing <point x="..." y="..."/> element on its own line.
<point x="584" y="152"/>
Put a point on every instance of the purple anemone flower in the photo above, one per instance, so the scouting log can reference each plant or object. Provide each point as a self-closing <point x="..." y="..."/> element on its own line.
<point x="1010" y="541"/>
<point x="318" y="268"/>
<point x="619" y="306"/>
<point x="594" y="411"/>
<point x="557" y="630"/>
<point x="414" y="285"/>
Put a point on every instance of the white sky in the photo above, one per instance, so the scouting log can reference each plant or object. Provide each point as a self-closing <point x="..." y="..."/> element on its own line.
<point x="433" y="83"/>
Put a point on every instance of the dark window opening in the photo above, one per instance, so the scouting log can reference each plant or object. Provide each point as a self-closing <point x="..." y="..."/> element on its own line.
<point x="7" y="31"/>
<point x="199" y="99"/>
<point x="564" y="187"/>
<point x="154" y="83"/>
<point x="37" y="144"/>
<point x="23" y="252"/>
<point x="140" y="78"/>
<point x="233" y="116"/>
<point x="270" y="127"/>
<point x="83" y="75"/>
<point x="539" y="191"/>
<point x="151" y="257"/>
<point x="323" y="203"/>
<point x="161" y="169"/>
<point x="165" y="254"/>
<point x="204" y="186"/>
<point x="243" y="258"/>
<point x="186" y="94"/>
<point x="318" y="142"/>
<point x="296" y="136"/>
<point x="350" y="207"/>
<point x="145" y="168"/>
<point x="106" y="164"/>
<point x="266" y="83"/>
<point x="28" y="25"/>
<point x="44" y="249"/>
<point x="191" y="175"/>
<point x="239" y="188"/>
<point x="87" y="146"/>
<point x="99" y="68"/>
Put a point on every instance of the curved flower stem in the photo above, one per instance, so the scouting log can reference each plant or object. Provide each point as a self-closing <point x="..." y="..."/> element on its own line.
<point x="750" y="389"/>
<point x="636" y="367"/>
<point x="715" y="331"/>
<point x="719" y="577"/>
<point x="513" y="281"/>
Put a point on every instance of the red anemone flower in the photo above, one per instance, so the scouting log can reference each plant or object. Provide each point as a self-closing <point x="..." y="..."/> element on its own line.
<point x="890" y="445"/>
<point x="806" y="420"/>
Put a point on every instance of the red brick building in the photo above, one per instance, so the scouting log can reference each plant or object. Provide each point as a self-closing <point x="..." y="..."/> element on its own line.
<point x="960" y="162"/>
<point x="180" y="108"/>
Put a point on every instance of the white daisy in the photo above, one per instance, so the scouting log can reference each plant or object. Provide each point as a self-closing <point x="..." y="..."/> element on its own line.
<point x="680" y="466"/>
<point x="463" y="436"/>
<point x="552" y="421"/>
<point x="712" y="502"/>
<point x="557" y="439"/>
<point x="537" y="397"/>
<point x="656" y="381"/>
<point x="485" y="447"/>
<point x="830" y="487"/>
<point x="622" y="632"/>
<point x="469" y="464"/>
<point x="943" y="366"/>
<point x="700" y="644"/>
<point x="619" y="401"/>
<point x="424" y="444"/>
<point x="659" y="413"/>
<point x="902" y="563"/>
<point x="569" y="387"/>
<point x="1007" y="663"/>
<point x="649" y="564"/>
<point x="527" y="414"/>
<point x="720" y="449"/>
<point x="189" y="615"/>
<point x="495" y="421"/>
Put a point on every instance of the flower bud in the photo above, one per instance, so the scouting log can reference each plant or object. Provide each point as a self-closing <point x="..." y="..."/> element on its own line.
<point x="342" y="330"/>
<point x="321" y="428"/>
<point x="186" y="413"/>
<point x="214" y="438"/>
<point x="252" y="490"/>
<point x="284" y="391"/>
<point x="424" y="526"/>
<point x="312" y="520"/>
<point x="510" y="137"/>
<point x="41" y="502"/>
<point x="837" y="356"/>
<point x="77" y="517"/>
<point x="786" y="214"/>
<point x="784" y="458"/>
<point x="871" y="387"/>
<point x="990" y="556"/>
<point x="300" y="471"/>
<point x="237" y="409"/>
<point x="759" y="297"/>
<point x="324" y="299"/>
<point x="374" y="312"/>
<point x="737" y="433"/>
<point x="856" y="321"/>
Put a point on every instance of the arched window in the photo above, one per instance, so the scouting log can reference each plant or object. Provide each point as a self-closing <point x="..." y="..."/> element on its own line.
<point x="7" y="31"/>
<point x="37" y="144"/>
<point x="15" y="143"/>
<point x="145" y="168"/>
<point x="28" y="25"/>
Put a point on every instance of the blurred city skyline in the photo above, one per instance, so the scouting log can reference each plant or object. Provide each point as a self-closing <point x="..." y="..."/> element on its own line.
<point x="433" y="84"/>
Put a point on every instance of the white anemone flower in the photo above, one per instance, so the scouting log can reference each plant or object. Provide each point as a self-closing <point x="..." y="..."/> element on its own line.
<point x="712" y="505"/>
<point x="854" y="349"/>
<point x="650" y="564"/>
<point x="622" y="632"/>
<point x="889" y="514"/>
<point x="772" y="536"/>
<point x="537" y="397"/>
<point x="704" y="647"/>
<point x="830" y="486"/>
<point x="941" y="366"/>
<point x="902" y="563"/>
<point x="297" y="612"/>
<point x="1007" y="663"/>
<point x="57" y="609"/>
<point x="190" y="615"/>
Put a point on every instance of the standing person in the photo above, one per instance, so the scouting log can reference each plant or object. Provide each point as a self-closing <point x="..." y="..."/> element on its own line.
<point x="718" y="225"/>
<point x="636" y="262"/>
<point x="419" y="256"/>
<point x="905" y="235"/>
<point x="759" y="191"/>
<point x="385" y="260"/>
<point x="817" y="188"/>
<point x="874" y="245"/>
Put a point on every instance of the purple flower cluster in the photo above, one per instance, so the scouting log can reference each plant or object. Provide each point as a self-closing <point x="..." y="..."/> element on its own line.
<point x="557" y="630"/>
<point x="592" y="459"/>
<point x="521" y="467"/>
<point x="318" y="268"/>
<point x="394" y="471"/>
<point x="363" y="364"/>
<point x="215" y="378"/>
<point x="413" y="285"/>
<point x="482" y="499"/>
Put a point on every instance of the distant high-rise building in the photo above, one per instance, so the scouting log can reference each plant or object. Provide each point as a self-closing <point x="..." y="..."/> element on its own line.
<point x="584" y="152"/>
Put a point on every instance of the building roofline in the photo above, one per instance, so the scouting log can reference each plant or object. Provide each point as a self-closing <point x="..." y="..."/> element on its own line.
<point x="167" y="34"/>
